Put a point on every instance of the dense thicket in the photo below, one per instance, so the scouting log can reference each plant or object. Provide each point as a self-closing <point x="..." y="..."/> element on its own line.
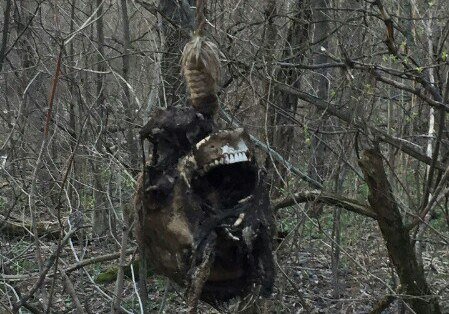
<point x="346" y="101"/>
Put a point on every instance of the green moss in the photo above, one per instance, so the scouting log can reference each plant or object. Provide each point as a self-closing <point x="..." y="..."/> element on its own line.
<point x="110" y="274"/>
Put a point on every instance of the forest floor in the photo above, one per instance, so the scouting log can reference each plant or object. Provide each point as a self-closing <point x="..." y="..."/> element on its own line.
<point x="304" y="271"/>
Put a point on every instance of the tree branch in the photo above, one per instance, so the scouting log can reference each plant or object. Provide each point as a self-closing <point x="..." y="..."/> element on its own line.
<point x="357" y="122"/>
<point x="325" y="198"/>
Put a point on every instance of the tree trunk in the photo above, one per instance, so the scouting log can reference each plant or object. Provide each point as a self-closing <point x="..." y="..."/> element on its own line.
<point x="297" y="36"/>
<point x="400" y="249"/>
<point x="5" y="34"/>
<point x="100" y="215"/>
<point x="268" y="47"/>
<point x="317" y="168"/>
<point x="175" y="37"/>
<point x="419" y="245"/>
<point x="72" y="115"/>
<point x="126" y="99"/>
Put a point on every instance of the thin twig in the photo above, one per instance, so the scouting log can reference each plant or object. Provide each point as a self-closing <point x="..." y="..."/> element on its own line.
<point x="73" y="267"/>
<point x="71" y="290"/>
<point x="50" y="261"/>
<point x="122" y="264"/>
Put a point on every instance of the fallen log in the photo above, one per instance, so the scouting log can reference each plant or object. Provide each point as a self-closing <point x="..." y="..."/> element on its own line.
<point x="11" y="226"/>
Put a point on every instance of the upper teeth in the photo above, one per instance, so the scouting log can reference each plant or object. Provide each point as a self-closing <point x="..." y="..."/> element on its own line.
<point x="239" y="157"/>
<point x="228" y="159"/>
<point x="235" y="149"/>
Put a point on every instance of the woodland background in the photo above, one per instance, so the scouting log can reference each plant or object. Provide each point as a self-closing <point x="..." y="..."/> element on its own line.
<point x="315" y="82"/>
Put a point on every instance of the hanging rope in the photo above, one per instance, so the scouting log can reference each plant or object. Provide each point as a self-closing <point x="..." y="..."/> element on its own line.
<point x="200" y="17"/>
<point x="200" y="64"/>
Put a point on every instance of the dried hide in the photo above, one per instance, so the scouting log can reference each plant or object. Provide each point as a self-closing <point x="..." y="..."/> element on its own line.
<point x="203" y="210"/>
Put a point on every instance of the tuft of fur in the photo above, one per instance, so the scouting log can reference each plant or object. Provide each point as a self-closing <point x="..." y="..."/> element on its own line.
<point x="200" y="65"/>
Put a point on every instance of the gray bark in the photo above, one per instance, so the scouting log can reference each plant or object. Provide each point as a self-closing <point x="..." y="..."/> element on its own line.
<point x="396" y="236"/>
<point x="297" y="37"/>
<point x="317" y="165"/>
<point x="100" y="215"/>
<point x="5" y="33"/>
<point x="126" y="97"/>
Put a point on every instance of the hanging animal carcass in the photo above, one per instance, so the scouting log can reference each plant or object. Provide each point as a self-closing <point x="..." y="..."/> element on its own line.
<point x="203" y="211"/>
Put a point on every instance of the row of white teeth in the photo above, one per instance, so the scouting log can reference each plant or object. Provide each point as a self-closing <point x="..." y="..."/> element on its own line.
<point x="233" y="158"/>
<point x="228" y="159"/>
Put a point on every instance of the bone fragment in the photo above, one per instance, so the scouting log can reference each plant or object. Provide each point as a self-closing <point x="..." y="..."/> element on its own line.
<point x="239" y="220"/>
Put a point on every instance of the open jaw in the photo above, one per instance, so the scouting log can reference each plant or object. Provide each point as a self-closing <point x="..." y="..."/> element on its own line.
<point x="225" y="182"/>
<point x="226" y="172"/>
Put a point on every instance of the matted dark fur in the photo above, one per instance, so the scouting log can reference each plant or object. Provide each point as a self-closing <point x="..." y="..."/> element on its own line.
<point x="203" y="208"/>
